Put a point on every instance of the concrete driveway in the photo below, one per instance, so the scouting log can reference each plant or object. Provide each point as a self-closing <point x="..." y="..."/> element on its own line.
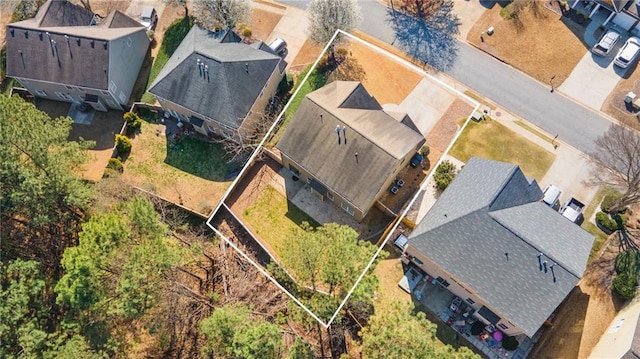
<point x="594" y="77"/>
<point x="426" y="104"/>
<point x="292" y="27"/>
<point x="592" y="80"/>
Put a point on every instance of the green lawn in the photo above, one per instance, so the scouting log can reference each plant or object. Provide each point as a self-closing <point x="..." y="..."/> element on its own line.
<point x="172" y="38"/>
<point x="273" y="217"/>
<point x="190" y="171"/>
<point x="491" y="140"/>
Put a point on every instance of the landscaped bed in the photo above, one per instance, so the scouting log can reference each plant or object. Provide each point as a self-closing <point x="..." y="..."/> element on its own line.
<point x="188" y="171"/>
<point x="491" y="140"/>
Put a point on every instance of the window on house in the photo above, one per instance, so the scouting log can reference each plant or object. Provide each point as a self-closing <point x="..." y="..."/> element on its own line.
<point x="211" y="129"/>
<point x="442" y="282"/>
<point x="502" y="326"/>
<point x="470" y="301"/>
<point x="330" y="196"/>
<point x="112" y="87"/>
<point x="122" y="97"/>
<point x="129" y="41"/>
<point x="308" y="180"/>
<point x="41" y="93"/>
<point x="417" y="261"/>
<point x="63" y="96"/>
<point x="347" y="209"/>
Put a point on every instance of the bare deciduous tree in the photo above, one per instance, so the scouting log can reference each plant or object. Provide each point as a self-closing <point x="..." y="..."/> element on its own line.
<point x="430" y="39"/>
<point x="250" y="139"/>
<point x="225" y="13"/>
<point x="182" y="3"/>
<point x="327" y="16"/>
<point x="616" y="163"/>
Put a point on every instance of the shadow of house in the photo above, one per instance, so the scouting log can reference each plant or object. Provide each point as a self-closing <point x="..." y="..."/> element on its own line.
<point x="199" y="158"/>
<point x="65" y="54"/>
<point x="492" y="242"/>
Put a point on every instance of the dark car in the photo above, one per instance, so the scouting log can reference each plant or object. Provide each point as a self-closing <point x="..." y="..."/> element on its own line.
<point x="416" y="160"/>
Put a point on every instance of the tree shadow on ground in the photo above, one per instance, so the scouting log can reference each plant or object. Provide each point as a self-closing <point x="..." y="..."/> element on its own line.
<point x="431" y="41"/>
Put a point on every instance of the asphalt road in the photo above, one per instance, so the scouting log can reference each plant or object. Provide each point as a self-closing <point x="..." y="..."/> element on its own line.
<point x="510" y="89"/>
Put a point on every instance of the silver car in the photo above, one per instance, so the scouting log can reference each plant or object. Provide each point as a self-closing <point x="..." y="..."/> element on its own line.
<point x="628" y="53"/>
<point x="606" y="43"/>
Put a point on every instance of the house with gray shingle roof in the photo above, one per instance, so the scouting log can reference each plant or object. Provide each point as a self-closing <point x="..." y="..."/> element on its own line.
<point x="491" y="241"/>
<point x="346" y="147"/>
<point x="217" y="83"/>
<point x="63" y="54"/>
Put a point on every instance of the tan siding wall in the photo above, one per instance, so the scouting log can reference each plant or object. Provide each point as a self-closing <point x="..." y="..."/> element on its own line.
<point x="460" y="289"/>
<point x="338" y="200"/>
<point x="261" y="103"/>
<point x="125" y="62"/>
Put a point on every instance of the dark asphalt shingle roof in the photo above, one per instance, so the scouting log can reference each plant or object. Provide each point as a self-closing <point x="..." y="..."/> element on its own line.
<point x="56" y="13"/>
<point x="31" y="55"/>
<point x="481" y="225"/>
<point x="237" y="74"/>
<point x="379" y="140"/>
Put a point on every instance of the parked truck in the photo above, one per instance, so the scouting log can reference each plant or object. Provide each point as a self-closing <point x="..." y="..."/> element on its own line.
<point x="572" y="210"/>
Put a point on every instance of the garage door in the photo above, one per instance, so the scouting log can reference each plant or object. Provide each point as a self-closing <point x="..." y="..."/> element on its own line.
<point x="624" y="20"/>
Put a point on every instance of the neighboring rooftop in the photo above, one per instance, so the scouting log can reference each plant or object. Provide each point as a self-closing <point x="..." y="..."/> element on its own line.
<point x="235" y="75"/>
<point x="59" y="45"/>
<point x="488" y="228"/>
<point x="372" y="143"/>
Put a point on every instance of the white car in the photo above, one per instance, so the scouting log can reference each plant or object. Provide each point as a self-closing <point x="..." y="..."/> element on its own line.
<point x="606" y="43"/>
<point x="149" y="17"/>
<point x="628" y="53"/>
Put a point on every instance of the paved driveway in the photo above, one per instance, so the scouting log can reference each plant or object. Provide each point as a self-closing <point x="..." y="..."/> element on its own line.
<point x="292" y="27"/>
<point x="594" y="77"/>
<point x="592" y="80"/>
<point x="426" y="104"/>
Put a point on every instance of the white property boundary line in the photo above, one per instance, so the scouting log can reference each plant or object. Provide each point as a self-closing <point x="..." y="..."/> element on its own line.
<point x="404" y="213"/>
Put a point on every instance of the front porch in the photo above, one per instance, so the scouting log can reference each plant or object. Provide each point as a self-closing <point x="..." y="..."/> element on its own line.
<point x="437" y="299"/>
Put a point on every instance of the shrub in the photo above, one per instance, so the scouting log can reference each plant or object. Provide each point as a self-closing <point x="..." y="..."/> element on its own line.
<point x="444" y="174"/>
<point x="627" y="261"/>
<point x="123" y="144"/>
<point x="134" y="122"/>
<point x="624" y="285"/>
<point x="605" y="221"/>
<point x="246" y="32"/>
<point x="425" y="151"/>
<point x="510" y="343"/>
<point x="609" y="200"/>
<point x="115" y="164"/>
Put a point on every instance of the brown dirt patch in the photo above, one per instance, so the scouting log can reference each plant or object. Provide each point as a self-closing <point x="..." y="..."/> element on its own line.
<point x="586" y="313"/>
<point x="102" y="130"/>
<point x="103" y="8"/>
<point x="262" y="23"/>
<point x="387" y="80"/>
<point x="307" y="55"/>
<point x="389" y="271"/>
<point x="537" y="48"/>
<point x="615" y="105"/>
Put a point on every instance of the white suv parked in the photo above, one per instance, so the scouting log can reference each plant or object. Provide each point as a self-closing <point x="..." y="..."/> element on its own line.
<point x="628" y="53"/>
